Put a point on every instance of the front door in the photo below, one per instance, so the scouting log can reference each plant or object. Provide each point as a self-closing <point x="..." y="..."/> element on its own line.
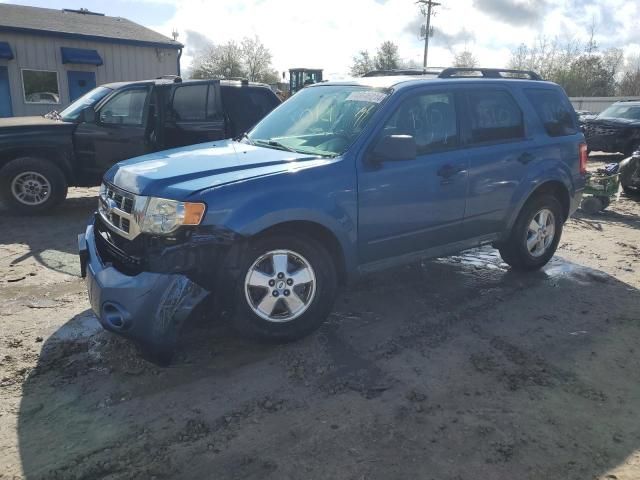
<point x="80" y="83"/>
<point x="118" y="133"/>
<point x="413" y="205"/>
<point x="5" y="94"/>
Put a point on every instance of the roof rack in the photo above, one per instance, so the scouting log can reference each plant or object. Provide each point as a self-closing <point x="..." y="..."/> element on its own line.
<point x="488" y="73"/>
<point x="173" y="78"/>
<point x="400" y="71"/>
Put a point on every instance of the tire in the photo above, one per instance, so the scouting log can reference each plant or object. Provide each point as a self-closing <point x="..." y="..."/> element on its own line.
<point x="514" y="250"/>
<point x="260" y="258"/>
<point x="44" y="178"/>
<point x="591" y="205"/>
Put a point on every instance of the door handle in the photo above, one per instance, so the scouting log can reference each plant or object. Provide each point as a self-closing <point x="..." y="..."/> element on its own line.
<point x="447" y="171"/>
<point x="525" y="158"/>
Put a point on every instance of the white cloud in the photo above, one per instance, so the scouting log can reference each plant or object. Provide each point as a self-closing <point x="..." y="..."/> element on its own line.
<point x="327" y="34"/>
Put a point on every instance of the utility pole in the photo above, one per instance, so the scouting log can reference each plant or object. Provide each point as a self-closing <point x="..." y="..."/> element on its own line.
<point x="427" y="9"/>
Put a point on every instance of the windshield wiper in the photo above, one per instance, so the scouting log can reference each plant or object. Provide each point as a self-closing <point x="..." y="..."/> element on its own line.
<point x="245" y="135"/>
<point x="275" y="143"/>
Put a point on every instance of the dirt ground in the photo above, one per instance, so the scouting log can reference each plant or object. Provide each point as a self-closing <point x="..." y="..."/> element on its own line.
<point x="450" y="369"/>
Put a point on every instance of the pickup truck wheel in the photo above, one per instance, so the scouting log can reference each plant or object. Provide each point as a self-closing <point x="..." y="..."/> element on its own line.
<point x="32" y="186"/>
<point x="535" y="235"/>
<point x="286" y="288"/>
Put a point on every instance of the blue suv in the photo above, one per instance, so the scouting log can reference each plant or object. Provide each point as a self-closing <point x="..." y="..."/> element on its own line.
<point x="342" y="179"/>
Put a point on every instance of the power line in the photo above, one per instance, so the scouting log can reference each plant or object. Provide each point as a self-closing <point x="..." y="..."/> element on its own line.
<point x="426" y="6"/>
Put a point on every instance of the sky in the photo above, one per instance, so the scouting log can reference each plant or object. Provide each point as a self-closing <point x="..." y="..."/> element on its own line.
<point x="328" y="33"/>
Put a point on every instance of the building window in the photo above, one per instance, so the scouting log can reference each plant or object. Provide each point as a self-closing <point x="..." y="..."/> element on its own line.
<point x="40" y="86"/>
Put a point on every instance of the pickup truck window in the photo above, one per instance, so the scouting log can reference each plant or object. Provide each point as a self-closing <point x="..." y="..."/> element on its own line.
<point x="189" y="103"/>
<point x="245" y="106"/>
<point x="322" y="120"/>
<point x="495" y="116"/>
<point x="125" y="108"/>
<point x="72" y="112"/>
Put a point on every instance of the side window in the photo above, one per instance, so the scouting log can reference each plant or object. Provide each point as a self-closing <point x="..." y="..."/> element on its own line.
<point x="190" y="103"/>
<point x="246" y="106"/>
<point x="554" y="110"/>
<point x="125" y="108"/>
<point x="262" y="100"/>
<point x="430" y="118"/>
<point x="494" y="116"/>
<point x="213" y="105"/>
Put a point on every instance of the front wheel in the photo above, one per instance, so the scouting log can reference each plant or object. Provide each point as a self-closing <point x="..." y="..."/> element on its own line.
<point x="286" y="288"/>
<point x="32" y="186"/>
<point x="535" y="235"/>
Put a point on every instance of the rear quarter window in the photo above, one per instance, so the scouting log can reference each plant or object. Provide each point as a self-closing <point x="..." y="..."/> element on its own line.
<point x="554" y="110"/>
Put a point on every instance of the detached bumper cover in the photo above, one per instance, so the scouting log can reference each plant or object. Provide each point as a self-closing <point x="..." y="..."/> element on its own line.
<point x="149" y="307"/>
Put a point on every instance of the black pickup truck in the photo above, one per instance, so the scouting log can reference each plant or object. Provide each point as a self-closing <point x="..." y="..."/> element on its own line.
<point x="41" y="156"/>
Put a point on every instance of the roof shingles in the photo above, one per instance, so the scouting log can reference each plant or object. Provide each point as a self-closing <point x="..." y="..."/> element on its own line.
<point x="21" y="18"/>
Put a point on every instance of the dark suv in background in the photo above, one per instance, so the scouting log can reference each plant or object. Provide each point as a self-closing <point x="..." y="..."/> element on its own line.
<point x="41" y="156"/>
<point x="615" y="130"/>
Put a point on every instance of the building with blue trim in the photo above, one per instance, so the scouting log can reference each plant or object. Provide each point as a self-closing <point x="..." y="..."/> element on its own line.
<point x="48" y="58"/>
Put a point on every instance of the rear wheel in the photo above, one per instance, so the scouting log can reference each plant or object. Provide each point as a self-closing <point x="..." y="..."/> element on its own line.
<point x="535" y="235"/>
<point x="286" y="288"/>
<point x="32" y="186"/>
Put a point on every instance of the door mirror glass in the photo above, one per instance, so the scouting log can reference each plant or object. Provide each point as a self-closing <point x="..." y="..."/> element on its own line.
<point x="394" y="148"/>
<point x="88" y="115"/>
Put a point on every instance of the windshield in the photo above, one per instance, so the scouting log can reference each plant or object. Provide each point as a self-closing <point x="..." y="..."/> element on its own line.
<point x="323" y="120"/>
<point x="630" y="112"/>
<point x="91" y="98"/>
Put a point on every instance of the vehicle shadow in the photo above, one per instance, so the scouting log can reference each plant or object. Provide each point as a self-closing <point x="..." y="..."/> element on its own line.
<point x="596" y="221"/>
<point x="456" y="368"/>
<point x="57" y="232"/>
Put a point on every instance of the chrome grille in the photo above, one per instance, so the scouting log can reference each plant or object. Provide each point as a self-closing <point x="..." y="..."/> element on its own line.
<point x="118" y="210"/>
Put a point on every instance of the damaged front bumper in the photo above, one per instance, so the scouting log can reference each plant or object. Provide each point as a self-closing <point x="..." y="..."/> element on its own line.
<point x="149" y="308"/>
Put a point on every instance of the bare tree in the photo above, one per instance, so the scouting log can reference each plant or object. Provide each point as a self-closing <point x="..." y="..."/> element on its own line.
<point x="629" y="84"/>
<point x="362" y="64"/>
<point x="219" y="61"/>
<point x="256" y="58"/>
<point x="465" y="58"/>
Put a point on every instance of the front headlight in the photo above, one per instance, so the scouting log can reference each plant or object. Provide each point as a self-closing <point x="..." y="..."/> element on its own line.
<point x="162" y="216"/>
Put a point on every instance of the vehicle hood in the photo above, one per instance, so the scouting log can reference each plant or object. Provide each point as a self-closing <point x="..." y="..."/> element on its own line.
<point x="36" y="125"/>
<point x="181" y="172"/>
<point x="612" y="122"/>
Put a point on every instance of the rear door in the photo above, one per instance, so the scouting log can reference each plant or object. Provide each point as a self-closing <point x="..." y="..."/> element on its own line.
<point x="245" y="106"/>
<point x="194" y="114"/>
<point x="5" y="94"/>
<point x="80" y="83"/>
<point x="498" y="149"/>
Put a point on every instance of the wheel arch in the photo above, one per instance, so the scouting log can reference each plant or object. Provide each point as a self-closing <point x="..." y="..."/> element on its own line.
<point x="554" y="187"/>
<point x="318" y="232"/>
<point x="60" y="159"/>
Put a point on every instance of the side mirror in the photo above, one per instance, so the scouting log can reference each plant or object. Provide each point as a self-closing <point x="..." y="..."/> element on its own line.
<point x="88" y="115"/>
<point x="393" y="148"/>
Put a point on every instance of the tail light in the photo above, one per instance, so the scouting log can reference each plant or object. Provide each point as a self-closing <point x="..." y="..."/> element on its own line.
<point x="584" y="157"/>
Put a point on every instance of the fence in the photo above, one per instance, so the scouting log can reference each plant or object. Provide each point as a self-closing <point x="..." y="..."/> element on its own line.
<point x="596" y="104"/>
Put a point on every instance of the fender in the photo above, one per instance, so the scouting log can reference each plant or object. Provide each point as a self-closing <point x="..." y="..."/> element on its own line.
<point x="267" y="211"/>
<point x="50" y="146"/>
<point x="543" y="172"/>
